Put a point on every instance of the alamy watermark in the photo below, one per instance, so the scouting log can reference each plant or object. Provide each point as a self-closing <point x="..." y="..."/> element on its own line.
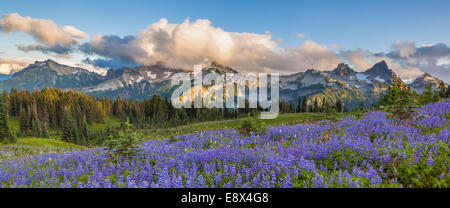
<point x="234" y="94"/>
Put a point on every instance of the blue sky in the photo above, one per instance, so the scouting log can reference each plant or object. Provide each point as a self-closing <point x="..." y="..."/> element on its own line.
<point x="352" y="25"/>
<point x="373" y="25"/>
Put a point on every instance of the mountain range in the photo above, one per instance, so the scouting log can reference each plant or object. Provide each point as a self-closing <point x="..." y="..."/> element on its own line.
<point x="142" y="82"/>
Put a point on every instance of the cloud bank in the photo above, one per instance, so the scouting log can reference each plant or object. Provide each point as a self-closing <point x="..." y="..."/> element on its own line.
<point x="185" y="44"/>
<point x="12" y="65"/>
<point x="188" y="43"/>
<point x="51" y="37"/>
<point x="406" y="59"/>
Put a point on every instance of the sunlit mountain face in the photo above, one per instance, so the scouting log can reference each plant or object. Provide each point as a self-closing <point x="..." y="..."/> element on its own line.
<point x="145" y="81"/>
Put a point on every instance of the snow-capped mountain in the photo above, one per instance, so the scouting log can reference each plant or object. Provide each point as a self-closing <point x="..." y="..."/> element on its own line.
<point x="51" y="74"/>
<point x="343" y="83"/>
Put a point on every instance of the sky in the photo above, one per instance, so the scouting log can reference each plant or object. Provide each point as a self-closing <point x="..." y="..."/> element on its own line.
<point x="282" y="36"/>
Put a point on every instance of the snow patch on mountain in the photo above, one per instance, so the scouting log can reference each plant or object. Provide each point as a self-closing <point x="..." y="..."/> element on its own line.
<point x="379" y="79"/>
<point x="363" y="77"/>
<point x="167" y="74"/>
<point x="139" y="79"/>
<point x="151" y="75"/>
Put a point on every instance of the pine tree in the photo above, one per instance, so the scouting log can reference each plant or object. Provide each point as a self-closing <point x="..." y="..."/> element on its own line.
<point x="427" y="95"/>
<point x="24" y="126"/>
<point x="304" y="104"/>
<point x="299" y="105"/>
<point x="5" y="132"/>
<point x="83" y="129"/>
<point x="447" y="94"/>
<point x="339" y="106"/>
<point x="316" y="105"/>
<point x="442" y="90"/>
<point x="323" y="106"/>
<point x="68" y="133"/>
<point x="45" y="132"/>
<point x="35" y="128"/>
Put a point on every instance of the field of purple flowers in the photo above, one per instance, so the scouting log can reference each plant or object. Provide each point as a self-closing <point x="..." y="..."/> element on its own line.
<point x="373" y="151"/>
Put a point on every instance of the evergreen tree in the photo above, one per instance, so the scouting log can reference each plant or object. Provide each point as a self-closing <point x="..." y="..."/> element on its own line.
<point x="68" y="133"/>
<point x="304" y="104"/>
<point x="324" y="103"/>
<point x="427" y="95"/>
<point x="339" y="106"/>
<point x="316" y="105"/>
<point x="442" y="90"/>
<point x="35" y="128"/>
<point x="5" y="132"/>
<point x="299" y="105"/>
<point x="24" y="126"/>
<point x="447" y="94"/>
<point x="45" y="132"/>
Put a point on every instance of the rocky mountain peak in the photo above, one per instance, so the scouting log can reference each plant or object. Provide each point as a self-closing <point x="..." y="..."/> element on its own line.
<point x="220" y="68"/>
<point x="427" y="76"/>
<point x="382" y="64"/>
<point x="381" y="70"/>
<point x="343" y="70"/>
<point x="420" y="82"/>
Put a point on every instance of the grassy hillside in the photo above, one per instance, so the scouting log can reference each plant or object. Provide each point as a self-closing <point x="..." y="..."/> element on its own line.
<point x="32" y="146"/>
<point x="282" y="119"/>
<point x="112" y="121"/>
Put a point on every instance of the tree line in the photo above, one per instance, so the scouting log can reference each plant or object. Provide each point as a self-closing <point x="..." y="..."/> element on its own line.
<point x="52" y="111"/>
<point x="313" y="104"/>
<point x="69" y="113"/>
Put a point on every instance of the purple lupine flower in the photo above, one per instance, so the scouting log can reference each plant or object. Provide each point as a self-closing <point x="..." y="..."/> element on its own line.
<point x="430" y="161"/>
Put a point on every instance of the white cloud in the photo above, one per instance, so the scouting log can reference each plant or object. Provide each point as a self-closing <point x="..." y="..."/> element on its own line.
<point x="364" y="60"/>
<point x="89" y="67"/>
<point x="44" y="31"/>
<point x="358" y="59"/>
<point x="188" y="43"/>
<point x="301" y="35"/>
<point x="12" y="65"/>
<point x="405" y="50"/>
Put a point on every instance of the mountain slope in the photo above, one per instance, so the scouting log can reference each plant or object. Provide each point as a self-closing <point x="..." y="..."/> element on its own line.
<point x="51" y="74"/>
<point x="419" y="83"/>
<point x="341" y="83"/>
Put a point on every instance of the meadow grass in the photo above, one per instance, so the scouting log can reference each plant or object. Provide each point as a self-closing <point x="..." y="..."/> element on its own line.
<point x="33" y="146"/>
<point x="13" y="123"/>
<point x="30" y="141"/>
<point x="282" y="119"/>
<point x="112" y="121"/>
<point x="29" y="145"/>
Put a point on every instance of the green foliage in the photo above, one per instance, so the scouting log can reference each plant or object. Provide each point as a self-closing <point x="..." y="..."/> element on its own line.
<point x="124" y="144"/>
<point x="69" y="133"/>
<point x="442" y="90"/>
<point x="6" y="135"/>
<point x="32" y="146"/>
<point x="252" y="125"/>
<point x="420" y="173"/>
<point x="447" y="93"/>
<point x="400" y="101"/>
<point x="428" y="95"/>
<point x="339" y="106"/>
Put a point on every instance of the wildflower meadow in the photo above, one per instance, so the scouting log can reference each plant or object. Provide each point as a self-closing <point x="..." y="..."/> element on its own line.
<point x="376" y="151"/>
